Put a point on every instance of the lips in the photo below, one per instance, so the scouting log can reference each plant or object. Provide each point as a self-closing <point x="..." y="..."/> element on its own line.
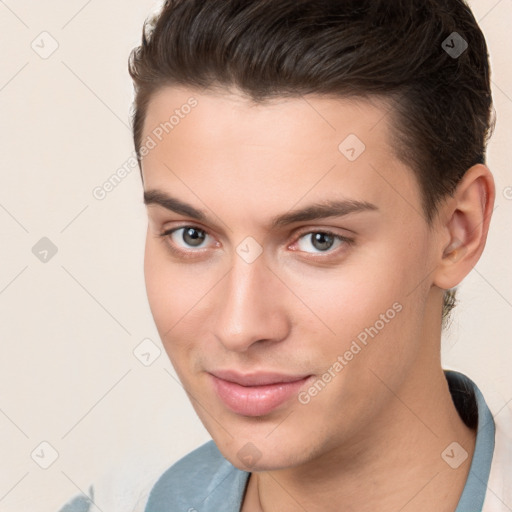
<point x="256" y="379"/>
<point x="255" y="394"/>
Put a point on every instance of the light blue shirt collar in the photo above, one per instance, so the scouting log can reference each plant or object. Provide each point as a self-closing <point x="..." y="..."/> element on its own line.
<point x="473" y="495"/>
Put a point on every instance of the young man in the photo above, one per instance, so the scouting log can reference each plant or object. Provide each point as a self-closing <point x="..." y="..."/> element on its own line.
<point x="315" y="181"/>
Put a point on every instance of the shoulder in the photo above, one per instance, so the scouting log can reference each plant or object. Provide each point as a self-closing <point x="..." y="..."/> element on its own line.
<point x="203" y="479"/>
<point x="124" y="486"/>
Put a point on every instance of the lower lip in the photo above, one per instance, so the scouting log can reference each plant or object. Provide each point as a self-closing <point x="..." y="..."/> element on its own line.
<point x="255" y="400"/>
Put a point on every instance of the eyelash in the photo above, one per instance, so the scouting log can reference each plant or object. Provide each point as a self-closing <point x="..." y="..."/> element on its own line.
<point x="194" y="253"/>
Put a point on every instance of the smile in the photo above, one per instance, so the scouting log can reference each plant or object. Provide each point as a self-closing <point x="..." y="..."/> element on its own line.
<point x="258" y="399"/>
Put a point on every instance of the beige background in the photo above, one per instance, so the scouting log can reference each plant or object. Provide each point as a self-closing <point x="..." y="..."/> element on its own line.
<point x="68" y="375"/>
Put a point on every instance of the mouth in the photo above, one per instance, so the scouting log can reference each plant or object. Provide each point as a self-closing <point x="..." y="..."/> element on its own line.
<point x="256" y="394"/>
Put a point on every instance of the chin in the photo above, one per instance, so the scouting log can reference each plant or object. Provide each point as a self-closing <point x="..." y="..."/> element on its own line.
<point x="261" y="455"/>
<point x="272" y="464"/>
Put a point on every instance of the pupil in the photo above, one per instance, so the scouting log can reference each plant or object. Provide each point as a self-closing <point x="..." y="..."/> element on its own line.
<point x="322" y="241"/>
<point x="193" y="236"/>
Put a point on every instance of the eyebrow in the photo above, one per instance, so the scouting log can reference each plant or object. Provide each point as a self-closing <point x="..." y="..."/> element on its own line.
<point x="329" y="208"/>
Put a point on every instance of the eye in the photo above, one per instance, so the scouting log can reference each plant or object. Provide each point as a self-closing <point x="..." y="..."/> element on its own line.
<point x="187" y="237"/>
<point x="320" y="241"/>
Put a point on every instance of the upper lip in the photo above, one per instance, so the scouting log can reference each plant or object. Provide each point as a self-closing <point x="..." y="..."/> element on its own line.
<point x="257" y="378"/>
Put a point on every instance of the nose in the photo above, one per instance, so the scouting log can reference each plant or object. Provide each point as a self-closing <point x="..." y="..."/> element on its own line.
<point x="251" y="307"/>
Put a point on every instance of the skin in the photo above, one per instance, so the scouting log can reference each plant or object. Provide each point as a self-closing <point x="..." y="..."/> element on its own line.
<point x="372" y="438"/>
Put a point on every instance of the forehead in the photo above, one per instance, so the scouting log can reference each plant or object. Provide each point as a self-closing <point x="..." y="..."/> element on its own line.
<point x="222" y="143"/>
<point x="209" y="115"/>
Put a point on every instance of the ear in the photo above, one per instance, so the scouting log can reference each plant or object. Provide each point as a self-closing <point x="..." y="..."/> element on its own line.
<point x="464" y="223"/>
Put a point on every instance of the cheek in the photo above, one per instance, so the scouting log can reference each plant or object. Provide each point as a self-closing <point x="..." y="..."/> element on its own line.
<point x="351" y="297"/>
<point x="177" y="297"/>
<point x="365" y="308"/>
<point x="165" y="297"/>
<point x="157" y="283"/>
<point x="370" y="330"/>
<point x="165" y="287"/>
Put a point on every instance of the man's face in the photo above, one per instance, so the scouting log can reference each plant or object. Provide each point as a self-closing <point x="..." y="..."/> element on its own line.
<point x="343" y="300"/>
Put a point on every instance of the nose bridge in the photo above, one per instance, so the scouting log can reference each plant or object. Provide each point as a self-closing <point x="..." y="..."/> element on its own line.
<point x="248" y="308"/>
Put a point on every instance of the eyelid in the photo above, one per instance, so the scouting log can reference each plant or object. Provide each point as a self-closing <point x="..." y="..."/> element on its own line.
<point x="306" y="230"/>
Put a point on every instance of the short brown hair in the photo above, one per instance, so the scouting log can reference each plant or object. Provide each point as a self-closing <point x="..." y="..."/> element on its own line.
<point x="395" y="49"/>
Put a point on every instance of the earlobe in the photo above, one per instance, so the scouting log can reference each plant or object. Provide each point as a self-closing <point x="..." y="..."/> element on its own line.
<point x="467" y="215"/>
